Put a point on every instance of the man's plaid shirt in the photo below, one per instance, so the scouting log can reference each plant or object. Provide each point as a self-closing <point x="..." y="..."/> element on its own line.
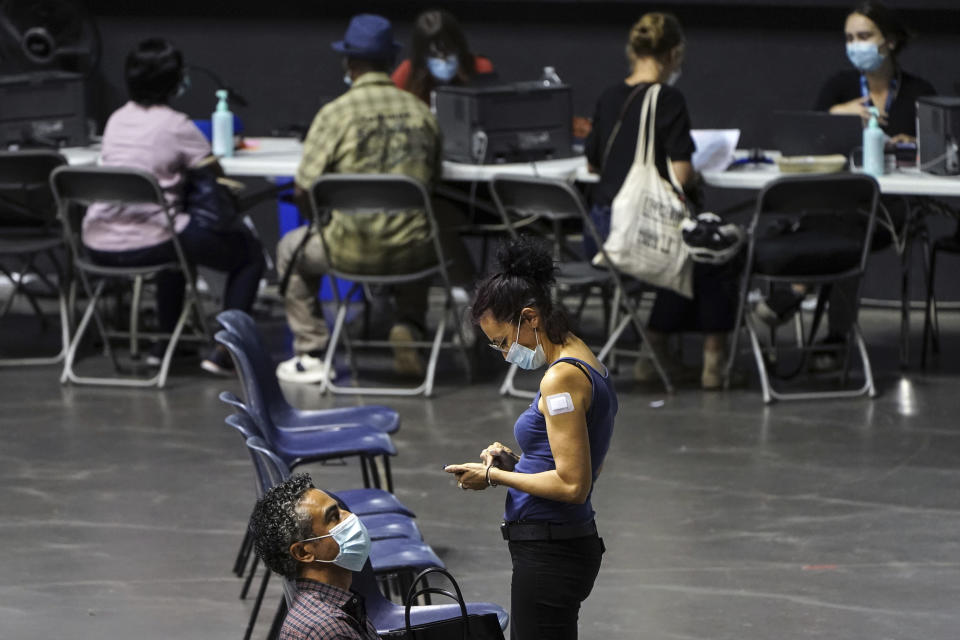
<point x="375" y="128"/>
<point x="320" y="612"/>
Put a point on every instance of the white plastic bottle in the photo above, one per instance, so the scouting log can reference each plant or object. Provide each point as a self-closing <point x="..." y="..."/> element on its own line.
<point x="222" y="125"/>
<point x="550" y="77"/>
<point x="873" y="142"/>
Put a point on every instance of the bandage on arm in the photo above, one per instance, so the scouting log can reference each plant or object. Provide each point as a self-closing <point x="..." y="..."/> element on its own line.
<point x="559" y="403"/>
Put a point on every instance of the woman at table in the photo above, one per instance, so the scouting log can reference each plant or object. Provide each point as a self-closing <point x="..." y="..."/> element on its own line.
<point x="655" y="50"/>
<point x="146" y="133"/>
<point x="440" y="55"/>
<point x="564" y="433"/>
<point x="875" y="38"/>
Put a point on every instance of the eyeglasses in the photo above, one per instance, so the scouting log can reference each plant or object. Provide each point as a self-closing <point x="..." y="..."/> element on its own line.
<point x="500" y="345"/>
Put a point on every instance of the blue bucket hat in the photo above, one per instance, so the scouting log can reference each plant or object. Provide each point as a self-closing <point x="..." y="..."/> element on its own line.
<point x="369" y="37"/>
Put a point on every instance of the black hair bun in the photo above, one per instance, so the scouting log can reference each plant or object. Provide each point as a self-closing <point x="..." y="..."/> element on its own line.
<point x="527" y="258"/>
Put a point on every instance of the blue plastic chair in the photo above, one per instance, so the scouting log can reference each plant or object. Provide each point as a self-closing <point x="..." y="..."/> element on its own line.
<point x="388" y="616"/>
<point x="268" y="398"/>
<point x="349" y="437"/>
<point x="272" y="469"/>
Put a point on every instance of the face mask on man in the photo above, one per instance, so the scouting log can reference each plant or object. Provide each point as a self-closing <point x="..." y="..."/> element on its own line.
<point x="525" y="357"/>
<point x="443" y="69"/>
<point x="354" y="541"/>
<point x="865" y="56"/>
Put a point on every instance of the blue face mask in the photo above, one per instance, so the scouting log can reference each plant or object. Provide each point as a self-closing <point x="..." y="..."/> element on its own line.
<point x="347" y="80"/>
<point x="525" y="357"/>
<point x="354" y="541"/>
<point x="443" y="69"/>
<point x="865" y="56"/>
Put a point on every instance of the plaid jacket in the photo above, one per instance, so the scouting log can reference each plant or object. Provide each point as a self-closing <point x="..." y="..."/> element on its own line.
<point x="320" y="612"/>
<point x="375" y="128"/>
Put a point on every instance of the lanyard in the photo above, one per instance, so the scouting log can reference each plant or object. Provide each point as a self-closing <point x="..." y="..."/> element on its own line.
<point x="891" y="94"/>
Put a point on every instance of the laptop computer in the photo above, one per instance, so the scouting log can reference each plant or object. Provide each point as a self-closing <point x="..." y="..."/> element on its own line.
<point x="815" y="133"/>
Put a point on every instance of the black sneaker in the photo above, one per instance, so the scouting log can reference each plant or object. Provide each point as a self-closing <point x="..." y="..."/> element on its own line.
<point x="218" y="362"/>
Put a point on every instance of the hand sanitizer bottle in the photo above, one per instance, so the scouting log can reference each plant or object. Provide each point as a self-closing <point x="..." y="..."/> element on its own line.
<point x="550" y="77"/>
<point x="222" y="126"/>
<point x="873" y="141"/>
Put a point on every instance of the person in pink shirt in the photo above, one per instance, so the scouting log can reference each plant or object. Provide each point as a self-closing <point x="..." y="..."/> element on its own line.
<point x="146" y="133"/>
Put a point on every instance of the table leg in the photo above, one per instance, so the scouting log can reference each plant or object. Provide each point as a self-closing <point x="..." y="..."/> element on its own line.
<point x="905" y="305"/>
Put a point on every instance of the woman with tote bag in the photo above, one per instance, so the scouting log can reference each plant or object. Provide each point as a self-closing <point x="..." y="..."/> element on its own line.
<point x="691" y="297"/>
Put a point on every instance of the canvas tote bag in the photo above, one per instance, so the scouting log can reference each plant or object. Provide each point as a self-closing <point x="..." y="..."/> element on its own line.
<point x="645" y="240"/>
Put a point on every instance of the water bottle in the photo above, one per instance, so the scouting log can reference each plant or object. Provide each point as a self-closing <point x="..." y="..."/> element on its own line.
<point x="873" y="141"/>
<point x="550" y="77"/>
<point x="222" y="125"/>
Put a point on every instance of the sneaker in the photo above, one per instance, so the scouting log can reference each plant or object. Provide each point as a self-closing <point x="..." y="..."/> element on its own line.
<point x="304" y="369"/>
<point x="407" y="360"/>
<point x="778" y="307"/>
<point x="218" y="362"/>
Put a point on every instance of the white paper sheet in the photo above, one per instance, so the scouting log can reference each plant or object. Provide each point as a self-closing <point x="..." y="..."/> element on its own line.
<point x="715" y="148"/>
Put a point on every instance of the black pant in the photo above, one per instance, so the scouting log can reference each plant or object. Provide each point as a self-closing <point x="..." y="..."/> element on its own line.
<point x="237" y="253"/>
<point x="550" y="580"/>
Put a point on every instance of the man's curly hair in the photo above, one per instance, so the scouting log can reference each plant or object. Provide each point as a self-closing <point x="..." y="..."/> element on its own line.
<point x="276" y="524"/>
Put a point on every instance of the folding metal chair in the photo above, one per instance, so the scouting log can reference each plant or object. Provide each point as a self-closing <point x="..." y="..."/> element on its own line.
<point x="522" y="202"/>
<point x="29" y="230"/>
<point x="362" y="194"/>
<point x="792" y="198"/>
<point x="83" y="186"/>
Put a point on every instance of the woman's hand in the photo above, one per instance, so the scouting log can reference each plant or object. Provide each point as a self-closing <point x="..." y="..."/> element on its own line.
<point x="858" y="107"/>
<point x="470" y="475"/>
<point x="499" y="455"/>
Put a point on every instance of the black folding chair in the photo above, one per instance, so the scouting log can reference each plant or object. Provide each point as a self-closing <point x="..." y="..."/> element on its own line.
<point x="29" y="232"/>
<point x="838" y="252"/>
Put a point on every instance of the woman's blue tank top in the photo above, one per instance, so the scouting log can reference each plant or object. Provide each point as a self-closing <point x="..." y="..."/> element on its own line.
<point x="530" y="432"/>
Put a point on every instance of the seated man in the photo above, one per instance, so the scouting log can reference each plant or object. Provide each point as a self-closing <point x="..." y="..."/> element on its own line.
<point x="373" y="128"/>
<point x="302" y="534"/>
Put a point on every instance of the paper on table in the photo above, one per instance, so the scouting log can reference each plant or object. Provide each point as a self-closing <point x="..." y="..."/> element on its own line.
<point x="715" y="148"/>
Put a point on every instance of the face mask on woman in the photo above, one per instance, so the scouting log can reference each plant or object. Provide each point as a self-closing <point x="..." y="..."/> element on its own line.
<point x="443" y="69"/>
<point x="354" y="543"/>
<point x="525" y="357"/>
<point x="865" y="56"/>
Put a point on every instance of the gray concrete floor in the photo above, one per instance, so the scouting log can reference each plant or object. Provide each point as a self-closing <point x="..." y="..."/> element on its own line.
<point x="724" y="519"/>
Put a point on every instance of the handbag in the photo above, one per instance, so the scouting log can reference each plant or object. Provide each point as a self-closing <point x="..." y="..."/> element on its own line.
<point x="210" y="199"/>
<point x="645" y="239"/>
<point x="463" y="627"/>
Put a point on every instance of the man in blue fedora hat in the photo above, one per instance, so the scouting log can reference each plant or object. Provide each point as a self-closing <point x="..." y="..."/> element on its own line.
<point x="372" y="128"/>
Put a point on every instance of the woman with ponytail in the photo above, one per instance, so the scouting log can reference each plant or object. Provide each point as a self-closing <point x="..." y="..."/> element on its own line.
<point x="564" y="436"/>
<point x="655" y="51"/>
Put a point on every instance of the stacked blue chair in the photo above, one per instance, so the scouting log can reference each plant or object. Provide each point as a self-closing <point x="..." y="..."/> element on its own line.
<point x="344" y="435"/>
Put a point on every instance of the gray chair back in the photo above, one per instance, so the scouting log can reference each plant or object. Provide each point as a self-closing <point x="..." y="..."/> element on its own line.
<point x="76" y="187"/>
<point x="365" y="193"/>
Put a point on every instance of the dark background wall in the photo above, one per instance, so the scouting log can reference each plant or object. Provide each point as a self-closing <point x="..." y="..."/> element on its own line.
<point x="744" y="58"/>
